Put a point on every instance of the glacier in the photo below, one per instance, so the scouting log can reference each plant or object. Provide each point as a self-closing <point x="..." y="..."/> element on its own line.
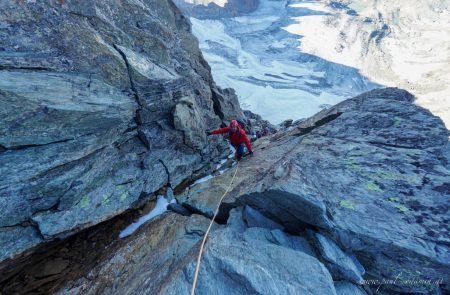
<point x="290" y="59"/>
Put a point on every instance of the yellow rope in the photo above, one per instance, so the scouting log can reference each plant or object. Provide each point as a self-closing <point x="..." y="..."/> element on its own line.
<point x="207" y="232"/>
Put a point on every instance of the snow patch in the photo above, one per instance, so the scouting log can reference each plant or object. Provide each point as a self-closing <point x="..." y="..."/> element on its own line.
<point x="223" y="161"/>
<point x="161" y="207"/>
<point x="315" y="6"/>
<point x="203" y="179"/>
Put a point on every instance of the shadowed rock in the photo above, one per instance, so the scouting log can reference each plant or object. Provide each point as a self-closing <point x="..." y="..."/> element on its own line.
<point x="255" y="219"/>
<point x="101" y="104"/>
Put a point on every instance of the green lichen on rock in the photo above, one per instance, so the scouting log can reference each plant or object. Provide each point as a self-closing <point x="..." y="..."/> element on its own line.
<point x="387" y="175"/>
<point x="123" y="196"/>
<point x="371" y="186"/>
<point x="411" y="178"/>
<point x="402" y="208"/>
<point x="397" y="121"/>
<point x="347" y="204"/>
<point x="394" y="199"/>
<point x="350" y="163"/>
<point x="84" y="202"/>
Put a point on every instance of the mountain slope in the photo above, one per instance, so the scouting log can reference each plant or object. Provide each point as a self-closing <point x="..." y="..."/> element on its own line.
<point x="289" y="59"/>
<point x="403" y="43"/>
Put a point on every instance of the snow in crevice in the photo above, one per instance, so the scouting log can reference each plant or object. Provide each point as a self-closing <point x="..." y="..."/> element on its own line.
<point x="218" y="170"/>
<point x="223" y="161"/>
<point x="203" y="179"/>
<point x="160" y="207"/>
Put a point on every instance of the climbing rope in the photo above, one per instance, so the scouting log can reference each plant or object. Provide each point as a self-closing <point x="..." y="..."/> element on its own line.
<point x="207" y="231"/>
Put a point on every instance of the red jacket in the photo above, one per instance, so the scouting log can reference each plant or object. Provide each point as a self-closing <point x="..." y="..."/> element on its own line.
<point x="236" y="138"/>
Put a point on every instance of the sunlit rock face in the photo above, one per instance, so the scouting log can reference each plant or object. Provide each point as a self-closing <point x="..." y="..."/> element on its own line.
<point x="289" y="59"/>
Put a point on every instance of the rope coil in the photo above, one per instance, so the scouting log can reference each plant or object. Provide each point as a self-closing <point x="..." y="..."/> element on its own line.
<point x="194" y="284"/>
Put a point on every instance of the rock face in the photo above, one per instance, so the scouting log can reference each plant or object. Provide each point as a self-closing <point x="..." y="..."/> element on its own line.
<point x="371" y="174"/>
<point x="146" y="260"/>
<point x="341" y="265"/>
<point x="101" y="104"/>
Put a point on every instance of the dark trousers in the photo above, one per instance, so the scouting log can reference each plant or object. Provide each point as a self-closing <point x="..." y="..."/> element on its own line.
<point x="239" y="150"/>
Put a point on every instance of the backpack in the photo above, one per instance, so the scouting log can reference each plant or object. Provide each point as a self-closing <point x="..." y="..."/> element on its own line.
<point x="243" y="126"/>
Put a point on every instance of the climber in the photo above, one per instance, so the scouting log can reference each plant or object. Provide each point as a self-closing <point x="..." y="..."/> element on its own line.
<point x="237" y="137"/>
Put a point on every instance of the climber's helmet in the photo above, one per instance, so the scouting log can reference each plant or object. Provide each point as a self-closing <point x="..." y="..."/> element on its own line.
<point x="234" y="125"/>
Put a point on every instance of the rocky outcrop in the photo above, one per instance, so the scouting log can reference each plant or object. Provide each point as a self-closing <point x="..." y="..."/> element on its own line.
<point x="102" y="104"/>
<point x="370" y="175"/>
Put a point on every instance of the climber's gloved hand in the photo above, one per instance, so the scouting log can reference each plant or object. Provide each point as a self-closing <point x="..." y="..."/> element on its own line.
<point x="250" y="153"/>
<point x="208" y="133"/>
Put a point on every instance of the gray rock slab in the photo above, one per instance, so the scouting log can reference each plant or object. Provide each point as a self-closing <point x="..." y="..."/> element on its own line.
<point x="347" y="288"/>
<point x="342" y="266"/>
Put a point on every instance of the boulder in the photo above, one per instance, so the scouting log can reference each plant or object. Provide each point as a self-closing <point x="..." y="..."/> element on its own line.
<point x="235" y="220"/>
<point x="298" y="243"/>
<point x="237" y="263"/>
<point x="254" y="268"/>
<point x="226" y="107"/>
<point x="187" y="118"/>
